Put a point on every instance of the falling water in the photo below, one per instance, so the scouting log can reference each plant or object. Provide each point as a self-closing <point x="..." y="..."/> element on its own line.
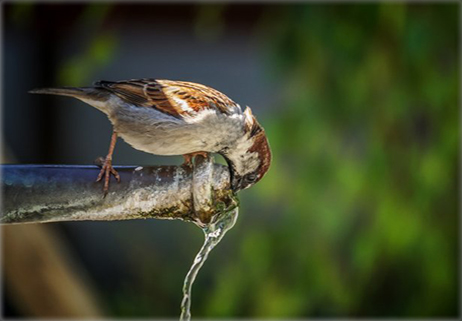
<point x="214" y="233"/>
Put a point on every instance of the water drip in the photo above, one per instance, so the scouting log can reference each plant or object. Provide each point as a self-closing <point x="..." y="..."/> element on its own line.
<point x="214" y="233"/>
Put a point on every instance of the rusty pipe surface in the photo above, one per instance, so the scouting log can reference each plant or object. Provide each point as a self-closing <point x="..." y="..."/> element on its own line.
<point x="50" y="193"/>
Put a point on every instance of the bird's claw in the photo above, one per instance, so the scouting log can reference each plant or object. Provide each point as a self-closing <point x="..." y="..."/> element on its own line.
<point x="106" y="171"/>
<point x="188" y="158"/>
<point x="187" y="161"/>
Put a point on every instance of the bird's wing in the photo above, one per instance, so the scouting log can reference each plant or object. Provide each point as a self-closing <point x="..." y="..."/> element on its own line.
<point x="176" y="98"/>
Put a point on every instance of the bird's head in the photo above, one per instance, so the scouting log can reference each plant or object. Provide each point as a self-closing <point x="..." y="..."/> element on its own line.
<point x="250" y="158"/>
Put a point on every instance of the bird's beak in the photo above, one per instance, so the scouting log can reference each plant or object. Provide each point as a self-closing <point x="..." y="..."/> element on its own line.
<point x="236" y="179"/>
<point x="236" y="182"/>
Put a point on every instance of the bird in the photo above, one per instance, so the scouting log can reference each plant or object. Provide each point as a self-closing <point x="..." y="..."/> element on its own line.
<point x="172" y="117"/>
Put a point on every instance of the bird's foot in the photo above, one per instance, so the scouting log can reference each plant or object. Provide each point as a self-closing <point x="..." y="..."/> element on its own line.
<point x="106" y="171"/>
<point x="189" y="157"/>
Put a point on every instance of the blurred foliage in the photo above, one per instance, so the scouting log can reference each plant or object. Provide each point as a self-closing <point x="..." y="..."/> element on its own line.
<point x="78" y="69"/>
<point x="209" y="22"/>
<point x="362" y="194"/>
<point x="21" y="13"/>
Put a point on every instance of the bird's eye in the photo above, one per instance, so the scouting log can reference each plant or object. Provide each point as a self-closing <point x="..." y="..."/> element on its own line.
<point x="251" y="178"/>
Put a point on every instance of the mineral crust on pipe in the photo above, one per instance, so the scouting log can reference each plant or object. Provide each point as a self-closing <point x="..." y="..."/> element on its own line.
<point x="50" y="193"/>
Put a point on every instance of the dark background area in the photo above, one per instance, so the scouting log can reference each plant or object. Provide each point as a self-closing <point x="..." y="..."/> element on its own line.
<point x="358" y="216"/>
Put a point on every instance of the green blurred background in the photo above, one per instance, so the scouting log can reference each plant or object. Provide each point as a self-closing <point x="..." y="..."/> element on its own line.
<point x="358" y="216"/>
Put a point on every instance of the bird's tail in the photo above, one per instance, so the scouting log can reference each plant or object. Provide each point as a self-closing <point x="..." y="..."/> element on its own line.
<point x="77" y="92"/>
<point x="95" y="97"/>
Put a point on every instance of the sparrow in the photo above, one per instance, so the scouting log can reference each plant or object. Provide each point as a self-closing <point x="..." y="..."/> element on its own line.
<point x="166" y="117"/>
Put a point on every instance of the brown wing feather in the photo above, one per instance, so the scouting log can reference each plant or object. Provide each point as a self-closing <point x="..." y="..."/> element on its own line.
<point x="168" y="96"/>
<point x="129" y="91"/>
<point x="198" y="96"/>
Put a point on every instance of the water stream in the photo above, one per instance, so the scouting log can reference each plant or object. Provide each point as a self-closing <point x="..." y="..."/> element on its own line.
<point x="214" y="233"/>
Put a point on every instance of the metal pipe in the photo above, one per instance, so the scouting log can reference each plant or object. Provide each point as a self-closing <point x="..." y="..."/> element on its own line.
<point x="50" y="193"/>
